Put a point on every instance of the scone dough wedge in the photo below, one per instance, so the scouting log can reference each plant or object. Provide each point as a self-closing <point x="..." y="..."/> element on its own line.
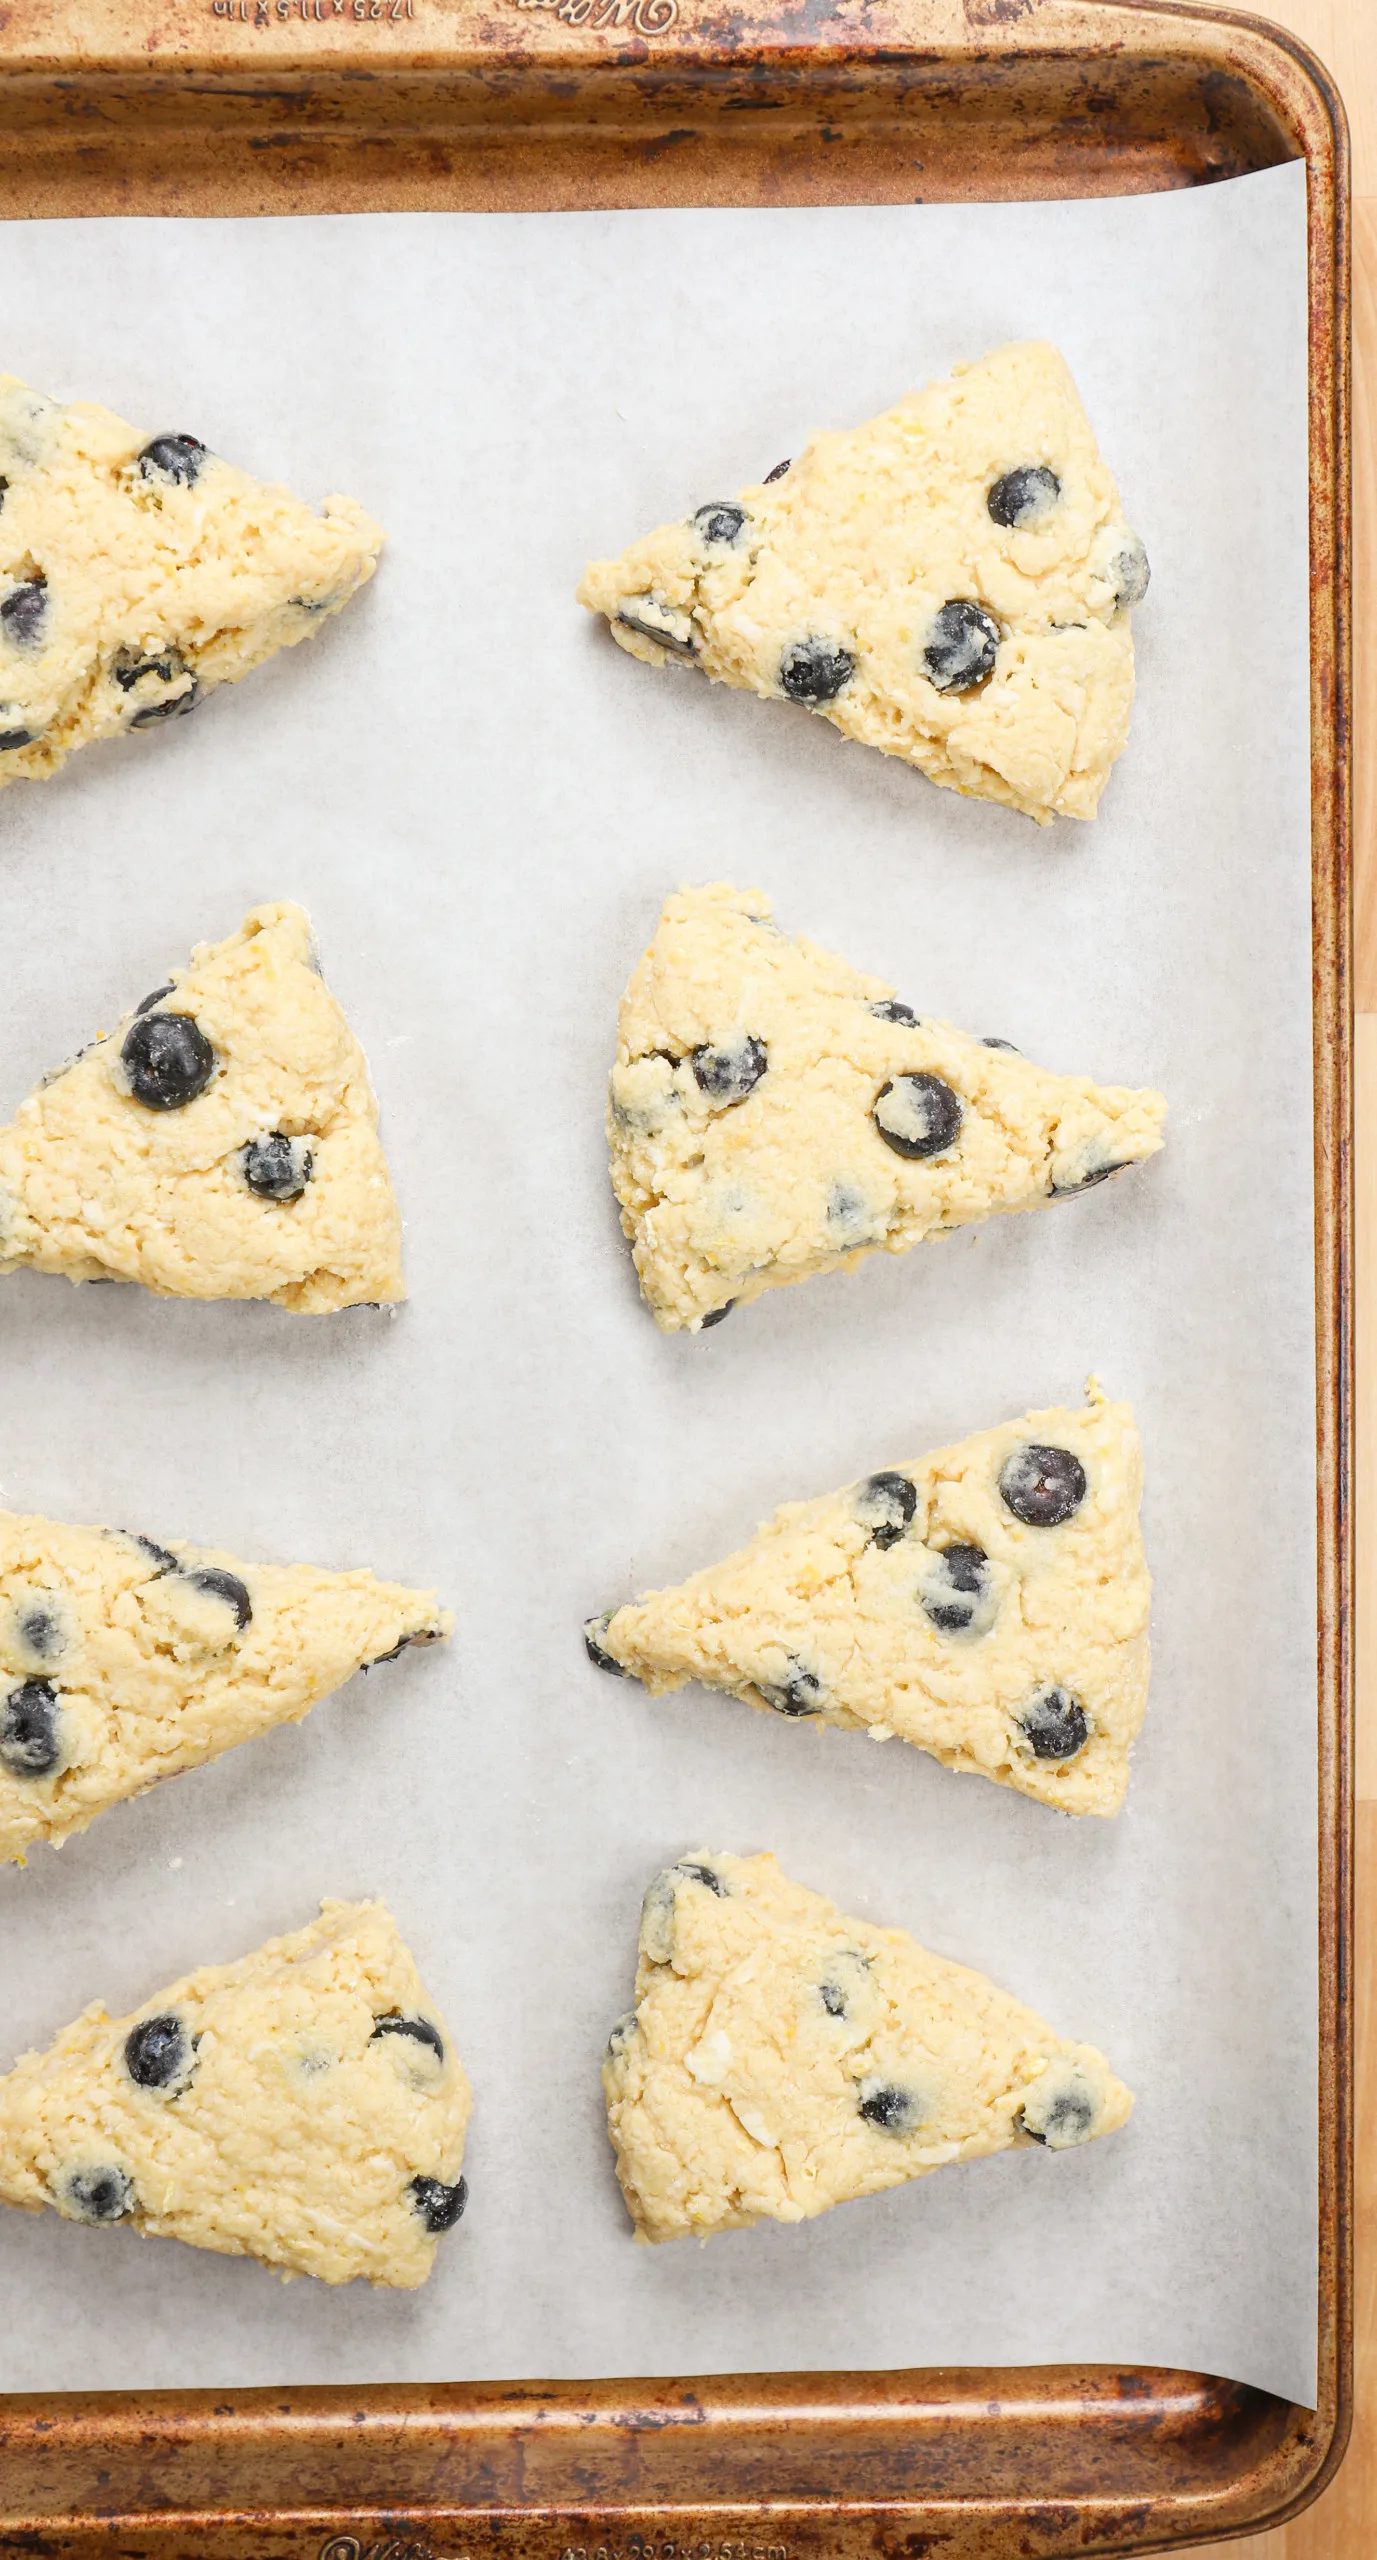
<point x="951" y="583"/>
<point x="221" y="1142"/>
<point x="782" y="2058"/>
<point x="137" y="573"/>
<point x="988" y="1602"/>
<point x="774" y="1113"/>
<point x="123" y="1661"/>
<point x="305" y="2107"/>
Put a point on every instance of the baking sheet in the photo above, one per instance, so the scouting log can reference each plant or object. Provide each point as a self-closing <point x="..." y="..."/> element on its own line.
<point x="483" y="804"/>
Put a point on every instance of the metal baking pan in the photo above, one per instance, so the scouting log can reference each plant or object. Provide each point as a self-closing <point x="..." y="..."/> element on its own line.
<point x="316" y="106"/>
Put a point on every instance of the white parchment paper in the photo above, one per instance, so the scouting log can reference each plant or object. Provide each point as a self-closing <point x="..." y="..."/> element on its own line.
<point x="483" y="804"/>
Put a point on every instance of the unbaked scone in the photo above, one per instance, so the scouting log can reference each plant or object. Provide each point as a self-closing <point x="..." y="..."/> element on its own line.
<point x="782" y="2058"/>
<point x="305" y="2107"/>
<point x="774" y="1113"/>
<point x="951" y="583"/>
<point x="221" y="1142"/>
<point x="123" y="1661"/>
<point x="137" y="574"/>
<point x="988" y="1602"/>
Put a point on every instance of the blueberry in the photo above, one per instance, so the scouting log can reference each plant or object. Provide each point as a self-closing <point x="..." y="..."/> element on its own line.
<point x="621" y="2034"/>
<point x="162" y="1557"/>
<point x="277" y="1167"/>
<point x="177" y="704"/>
<point x="885" y="1505"/>
<point x="892" y="1011"/>
<point x="1130" y="572"/>
<point x="1071" y="1190"/>
<point x="716" y="1315"/>
<point x="22" y="612"/>
<point x="11" y="738"/>
<point x="777" y="473"/>
<point x="1024" y="496"/>
<point x="801" y="1694"/>
<point x="439" y="2206"/>
<point x="593" y="1630"/>
<point x="1010" y="1045"/>
<point x="695" y="1870"/>
<point x="127" y="667"/>
<point x="959" y="651"/>
<point x="1060" y="2109"/>
<point x="41" y="1631"/>
<point x="815" y="670"/>
<point x="168" y="1060"/>
<point x="833" y="1999"/>
<point x="98" y="2195"/>
<point x="4" y="486"/>
<point x="30" y="1746"/>
<point x="158" y="2051"/>
<point x="668" y="628"/>
<point x="148" y="1002"/>
<point x="961" y="1584"/>
<point x="219" y="1585"/>
<point x="721" y="521"/>
<point x="889" y="2106"/>
<point x="727" y="1074"/>
<point x="393" y="2022"/>
<point x="1053" y="1724"/>
<point x="173" y="458"/>
<point x="917" y="1116"/>
<point x="1042" y="1486"/>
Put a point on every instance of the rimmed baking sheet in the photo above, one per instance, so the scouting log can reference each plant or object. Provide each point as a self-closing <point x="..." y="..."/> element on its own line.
<point x="483" y="804"/>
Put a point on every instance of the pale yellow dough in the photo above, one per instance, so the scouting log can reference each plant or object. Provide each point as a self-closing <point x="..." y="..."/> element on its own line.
<point x="846" y="1611"/>
<point x="97" y="1186"/>
<point x="726" y="1192"/>
<point x="155" y="588"/>
<point x="123" y="1661"/>
<point x="783" y="2058"/>
<point x="868" y="535"/>
<point x="292" y="2115"/>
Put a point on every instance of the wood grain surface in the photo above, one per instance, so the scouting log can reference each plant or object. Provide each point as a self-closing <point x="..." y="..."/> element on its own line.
<point x="1343" y="2524"/>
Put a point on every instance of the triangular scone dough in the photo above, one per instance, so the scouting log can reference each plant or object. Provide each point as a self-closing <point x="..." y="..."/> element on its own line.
<point x="221" y="1142"/>
<point x="123" y="1661"/>
<point x="135" y="575"/>
<point x="950" y="583"/>
<point x="988" y="1602"/>
<point x="304" y="2107"/>
<point x="773" y="1113"/>
<point x="782" y="2058"/>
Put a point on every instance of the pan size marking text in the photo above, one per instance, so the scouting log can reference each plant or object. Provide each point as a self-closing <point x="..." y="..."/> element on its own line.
<point x="642" y="17"/>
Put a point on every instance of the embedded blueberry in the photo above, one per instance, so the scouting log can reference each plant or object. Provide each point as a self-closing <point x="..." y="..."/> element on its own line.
<point x="41" y="1631"/>
<point x="158" y="2051"/>
<point x="30" y="1746"/>
<point x="662" y="623"/>
<point x="1130" y="572"/>
<point x="1072" y="1190"/>
<point x="960" y="648"/>
<point x="219" y="1585"/>
<point x="439" y="2206"/>
<point x="777" y="473"/>
<point x="892" y="1011"/>
<point x="801" y="1694"/>
<point x="1042" y="1486"/>
<point x="1053" y="1724"/>
<point x="277" y="1167"/>
<point x="917" y="1116"/>
<point x="716" y="1315"/>
<point x="128" y="666"/>
<point x="727" y="1074"/>
<point x="721" y="521"/>
<point x="700" y="1874"/>
<point x="889" y="2106"/>
<point x="4" y="487"/>
<point x="961" y="1583"/>
<point x="168" y="1060"/>
<point x="885" y="1505"/>
<point x="1010" y="1045"/>
<point x="174" y="708"/>
<point x="815" y="670"/>
<point x="98" y="2195"/>
<point x="1024" y="496"/>
<point x="1060" y="2115"/>
<point x="621" y="2035"/>
<point x="11" y="738"/>
<point x="162" y="1557"/>
<point x="593" y="1630"/>
<point x="833" y="1999"/>
<point x="174" y="459"/>
<point x="394" y="2022"/>
<point x="22" y="611"/>
<point x="156" y="998"/>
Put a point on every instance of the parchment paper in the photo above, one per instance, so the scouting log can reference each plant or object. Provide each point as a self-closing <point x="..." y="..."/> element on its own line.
<point x="483" y="804"/>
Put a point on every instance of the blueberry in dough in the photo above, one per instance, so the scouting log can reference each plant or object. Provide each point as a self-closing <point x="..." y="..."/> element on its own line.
<point x="716" y="1315"/>
<point x="162" y="1557"/>
<point x="960" y="648"/>
<point x="1025" y="496"/>
<point x="917" y="1115"/>
<point x="22" y="612"/>
<point x="176" y="459"/>
<point x="219" y="1585"/>
<point x="727" y="1074"/>
<point x="815" y="670"/>
<point x="98" y="2195"/>
<point x="962" y="1582"/>
<point x="1053" y="1724"/>
<point x="889" y="2106"/>
<point x="174" y="708"/>
<point x="127" y="668"/>
<point x="277" y="1167"/>
<point x="593" y="1630"/>
<point x="30" y="1746"/>
<point x="168" y="1060"/>
<point x="1062" y="2121"/>
<point x="833" y="1999"/>
<point x="721" y="521"/>
<point x="1010" y="1045"/>
<point x="147" y="1003"/>
<point x="158" y="2051"/>
<point x="41" y="1631"/>
<point x="700" y="1874"/>
<point x="12" y="738"/>
<point x="885" y="1505"/>
<point x="1042" y="1486"/>
<point x="892" y="1011"/>
<point x="802" y="1693"/>
<point x="621" y="2034"/>
<point x="439" y="2206"/>
<point x="777" y="473"/>
<point x="1072" y="1190"/>
<point x="394" y="2022"/>
<point x="1130" y="572"/>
